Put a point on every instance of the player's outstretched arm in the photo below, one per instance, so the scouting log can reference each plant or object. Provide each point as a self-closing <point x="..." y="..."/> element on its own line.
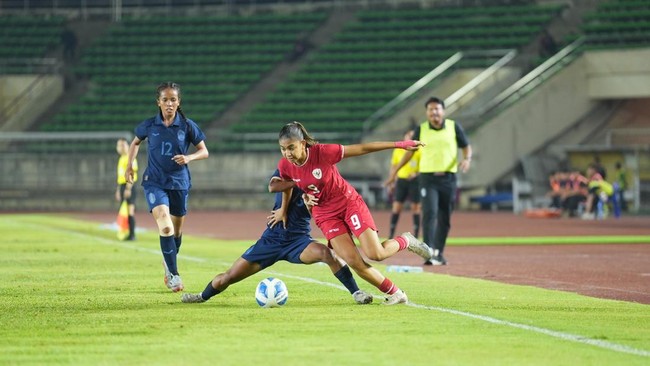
<point x="277" y="184"/>
<point x="370" y="147"/>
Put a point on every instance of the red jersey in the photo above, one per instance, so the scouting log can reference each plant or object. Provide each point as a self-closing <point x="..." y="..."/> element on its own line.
<point x="319" y="176"/>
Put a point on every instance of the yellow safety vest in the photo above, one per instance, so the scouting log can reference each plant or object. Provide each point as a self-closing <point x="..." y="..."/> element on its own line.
<point x="121" y="169"/>
<point x="409" y="168"/>
<point x="440" y="153"/>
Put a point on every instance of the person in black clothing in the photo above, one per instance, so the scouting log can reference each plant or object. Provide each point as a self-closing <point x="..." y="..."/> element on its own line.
<point x="69" y="41"/>
<point x="442" y="138"/>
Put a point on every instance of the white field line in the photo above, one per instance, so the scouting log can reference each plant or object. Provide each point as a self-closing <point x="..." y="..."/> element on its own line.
<point x="560" y="335"/>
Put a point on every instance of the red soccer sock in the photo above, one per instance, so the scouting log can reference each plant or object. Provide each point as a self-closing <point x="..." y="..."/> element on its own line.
<point x="403" y="243"/>
<point x="388" y="287"/>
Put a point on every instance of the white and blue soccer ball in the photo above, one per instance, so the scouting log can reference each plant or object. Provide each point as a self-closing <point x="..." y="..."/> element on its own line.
<point x="271" y="293"/>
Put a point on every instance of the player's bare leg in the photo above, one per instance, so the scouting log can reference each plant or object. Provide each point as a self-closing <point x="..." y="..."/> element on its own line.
<point x="375" y="249"/>
<point x="345" y="248"/>
<point x="317" y="252"/>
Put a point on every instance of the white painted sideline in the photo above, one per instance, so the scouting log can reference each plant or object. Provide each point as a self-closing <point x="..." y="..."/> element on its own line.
<point x="560" y="335"/>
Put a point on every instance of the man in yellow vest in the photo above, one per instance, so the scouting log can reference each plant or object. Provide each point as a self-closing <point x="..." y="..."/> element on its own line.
<point x="438" y="167"/>
<point x="125" y="191"/>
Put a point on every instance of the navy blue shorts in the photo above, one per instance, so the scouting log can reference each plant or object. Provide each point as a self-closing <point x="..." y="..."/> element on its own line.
<point x="270" y="249"/>
<point x="174" y="199"/>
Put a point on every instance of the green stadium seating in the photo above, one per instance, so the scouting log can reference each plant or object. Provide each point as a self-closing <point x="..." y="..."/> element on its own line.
<point x="27" y="37"/>
<point x="382" y="53"/>
<point x="618" y="24"/>
<point x="215" y="59"/>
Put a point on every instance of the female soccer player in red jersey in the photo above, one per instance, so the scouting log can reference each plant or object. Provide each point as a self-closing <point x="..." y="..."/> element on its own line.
<point x="339" y="210"/>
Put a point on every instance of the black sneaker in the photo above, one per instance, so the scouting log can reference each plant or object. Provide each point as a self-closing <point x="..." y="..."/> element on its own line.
<point x="438" y="260"/>
<point x="428" y="262"/>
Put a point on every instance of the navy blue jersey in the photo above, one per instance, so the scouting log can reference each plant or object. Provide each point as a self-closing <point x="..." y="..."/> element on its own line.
<point x="163" y="144"/>
<point x="298" y="217"/>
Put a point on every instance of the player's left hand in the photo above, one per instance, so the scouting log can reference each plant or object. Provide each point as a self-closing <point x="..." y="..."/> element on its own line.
<point x="464" y="165"/>
<point x="181" y="159"/>
<point x="410" y="145"/>
<point x="275" y="218"/>
<point x="310" y="200"/>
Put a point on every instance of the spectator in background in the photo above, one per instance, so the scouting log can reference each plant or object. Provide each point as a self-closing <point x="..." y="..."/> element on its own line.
<point x="574" y="192"/>
<point x="299" y="49"/>
<point x="621" y="180"/>
<point x="69" y="41"/>
<point x="405" y="188"/>
<point x="558" y="186"/>
<point x="600" y="169"/>
<point x="547" y="45"/>
<point x="124" y="191"/>
<point x="599" y="192"/>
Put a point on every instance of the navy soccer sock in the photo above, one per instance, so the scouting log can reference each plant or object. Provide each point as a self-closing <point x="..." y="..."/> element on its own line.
<point x="394" y="218"/>
<point x="345" y="276"/>
<point x="209" y="291"/>
<point x="178" y="242"/>
<point x="168" y="248"/>
<point x="416" y="225"/>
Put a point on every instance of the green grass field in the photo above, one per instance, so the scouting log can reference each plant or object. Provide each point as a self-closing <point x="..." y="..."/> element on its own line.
<point x="72" y="294"/>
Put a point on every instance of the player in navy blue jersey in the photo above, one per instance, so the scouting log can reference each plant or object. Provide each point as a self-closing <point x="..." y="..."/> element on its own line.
<point x="167" y="180"/>
<point x="292" y="243"/>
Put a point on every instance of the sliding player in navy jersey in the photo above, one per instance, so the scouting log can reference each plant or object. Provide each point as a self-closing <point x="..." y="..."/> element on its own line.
<point x="293" y="244"/>
<point x="167" y="179"/>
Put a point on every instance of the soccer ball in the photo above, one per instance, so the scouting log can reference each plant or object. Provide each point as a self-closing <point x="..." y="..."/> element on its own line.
<point x="271" y="293"/>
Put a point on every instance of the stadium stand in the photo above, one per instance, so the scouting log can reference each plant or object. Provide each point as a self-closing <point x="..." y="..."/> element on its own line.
<point x="27" y="37"/>
<point x="618" y="24"/>
<point x="215" y="59"/>
<point x="381" y="54"/>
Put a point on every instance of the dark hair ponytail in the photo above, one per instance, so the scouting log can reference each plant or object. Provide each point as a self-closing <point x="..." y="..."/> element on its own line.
<point x="295" y="130"/>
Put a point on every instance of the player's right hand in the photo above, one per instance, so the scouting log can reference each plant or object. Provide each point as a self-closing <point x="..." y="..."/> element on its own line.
<point x="310" y="200"/>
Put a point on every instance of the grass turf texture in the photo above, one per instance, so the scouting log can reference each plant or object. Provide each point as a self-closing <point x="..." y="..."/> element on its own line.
<point x="71" y="294"/>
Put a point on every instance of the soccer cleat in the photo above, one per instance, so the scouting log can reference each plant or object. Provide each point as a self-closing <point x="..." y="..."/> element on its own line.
<point x="175" y="283"/>
<point x="192" y="298"/>
<point x="168" y="275"/>
<point x="418" y="247"/>
<point x="397" y="298"/>
<point x="362" y="297"/>
<point x="438" y="260"/>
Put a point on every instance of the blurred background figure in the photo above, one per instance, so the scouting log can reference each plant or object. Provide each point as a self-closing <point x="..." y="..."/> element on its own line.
<point x="69" y="41"/>
<point x="599" y="195"/>
<point x="405" y="188"/>
<point x="125" y="191"/>
<point x="621" y="182"/>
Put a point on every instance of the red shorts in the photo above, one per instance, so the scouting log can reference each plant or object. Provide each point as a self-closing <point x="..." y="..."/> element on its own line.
<point x="354" y="218"/>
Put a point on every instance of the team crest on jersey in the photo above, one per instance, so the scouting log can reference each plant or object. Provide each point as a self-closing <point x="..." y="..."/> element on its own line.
<point x="181" y="135"/>
<point x="317" y="173"/>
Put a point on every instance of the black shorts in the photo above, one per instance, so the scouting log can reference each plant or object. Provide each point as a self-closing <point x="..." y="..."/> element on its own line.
<point x="130" y="200"/>
<point x="407" y="190"/>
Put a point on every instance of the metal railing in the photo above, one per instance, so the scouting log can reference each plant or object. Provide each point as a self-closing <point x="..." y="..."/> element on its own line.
<point x="42" y="67"/>
<point x="452" y="102"/>
<point x="412" y="90"/>
<point x="115" y="9"/>
<point x="521" y="87"/>
<point x="503" y="58"/>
